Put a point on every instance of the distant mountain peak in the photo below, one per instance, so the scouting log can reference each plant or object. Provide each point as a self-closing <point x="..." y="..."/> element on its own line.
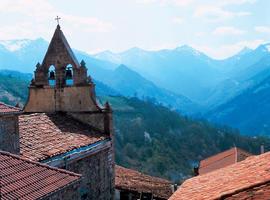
<point x="186" y="48"/>
<point x="18" y="44"/>
<point x="264" y="47"/>
<point x="134" y="50"/>
<point x="245" y="50"/>
<point x="267" y="46"/>
<point x="14" y="45"/>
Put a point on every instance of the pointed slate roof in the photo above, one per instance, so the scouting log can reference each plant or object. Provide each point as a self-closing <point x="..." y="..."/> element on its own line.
<point x="59" y="47"/>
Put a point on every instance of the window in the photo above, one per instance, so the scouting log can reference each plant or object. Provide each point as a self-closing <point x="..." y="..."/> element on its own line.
<point x="51" y="76"/>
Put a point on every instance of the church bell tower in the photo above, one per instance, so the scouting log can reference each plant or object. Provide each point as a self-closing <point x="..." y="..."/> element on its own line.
<point x="61" y="83"/>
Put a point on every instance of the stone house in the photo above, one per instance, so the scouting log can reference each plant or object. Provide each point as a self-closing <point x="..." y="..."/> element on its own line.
<point x="61" y="124"/>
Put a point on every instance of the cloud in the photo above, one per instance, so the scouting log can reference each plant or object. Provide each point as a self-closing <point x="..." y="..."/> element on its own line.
<point x="228" y="30"/>
<point x="178" y="20"/>
<point x="89" y="24"/>
<point x="180" y="2"/>
<point x="166" y="2"/>
<point x="263" y="29"/>
<point x="38" y="9"/>
<point x="200" y="34"/>
<point x="227" y="50"/>
<point x="216" y="13"/>
<point x="237" y="2"/>
<point x="41" y="14"/>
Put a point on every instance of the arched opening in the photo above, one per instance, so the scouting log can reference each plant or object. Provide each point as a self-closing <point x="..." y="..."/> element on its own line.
<point x="51" y="76"/>
<point x="69" y="75"/>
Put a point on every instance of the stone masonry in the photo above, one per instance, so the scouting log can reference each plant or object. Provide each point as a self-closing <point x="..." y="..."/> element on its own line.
<point x="9" y="134"/>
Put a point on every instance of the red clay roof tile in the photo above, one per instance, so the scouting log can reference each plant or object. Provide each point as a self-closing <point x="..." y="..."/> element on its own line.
<point x="226" y="182"/>
<point x="7" y="109"/>
<point x="131" y="180"/>
<point x="46" y="135"/>
<point x="24" y="179"/>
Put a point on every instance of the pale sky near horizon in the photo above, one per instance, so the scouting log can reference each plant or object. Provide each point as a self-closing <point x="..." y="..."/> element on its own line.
<point x="219" y="28"/>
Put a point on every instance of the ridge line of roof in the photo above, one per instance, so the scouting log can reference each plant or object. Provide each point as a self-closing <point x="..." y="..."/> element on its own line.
<point x="68" y="47"/>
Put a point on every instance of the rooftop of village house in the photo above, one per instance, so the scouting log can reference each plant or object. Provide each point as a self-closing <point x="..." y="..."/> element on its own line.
<point x="24" y="179"/>
<point x="245" y="179"/>
<point x="222" y="159"/>
<point x="44" y="135"/>
<point x="131" y="180"/>
<point x="8" y="109"/>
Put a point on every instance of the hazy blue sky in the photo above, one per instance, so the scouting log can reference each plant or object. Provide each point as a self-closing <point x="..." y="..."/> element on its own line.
<point x="219" y="28"/>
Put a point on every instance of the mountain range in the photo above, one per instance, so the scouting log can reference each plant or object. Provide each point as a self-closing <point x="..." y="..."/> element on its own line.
<point x="184" y="70"/>
<point x="183" y="79"/>
<point x="23" y="55"/>
<point x="226" y="90"/>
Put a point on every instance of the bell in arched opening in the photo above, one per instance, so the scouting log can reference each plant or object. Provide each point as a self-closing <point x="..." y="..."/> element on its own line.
<point x="69" y="75"/>
<point x="51" y="75"/>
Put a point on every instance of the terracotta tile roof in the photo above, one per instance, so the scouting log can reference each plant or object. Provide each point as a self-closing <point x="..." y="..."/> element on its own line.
<point x="45" y="135"/>
<point x="23" y="179"/>
<point x="238" y="178"/>
<point x="131" y="180"/>
<point x="222" y="159"/>
<point x="7" y="109"/>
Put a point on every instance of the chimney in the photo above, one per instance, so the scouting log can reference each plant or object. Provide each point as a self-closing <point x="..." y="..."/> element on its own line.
<point x="9" y="129"/>
<point x="196" y="171"/>
<point x="262" y="149"/>
<point x="108" y="127"/>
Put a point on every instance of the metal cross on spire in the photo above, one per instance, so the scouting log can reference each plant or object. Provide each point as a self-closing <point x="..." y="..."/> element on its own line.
<point x="57" y="19"/>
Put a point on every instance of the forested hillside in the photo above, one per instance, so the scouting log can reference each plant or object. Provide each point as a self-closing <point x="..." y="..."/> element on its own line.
<point x="156" y="140"/>
<point x="13" y="87"/>
<point x="249" y="111"/>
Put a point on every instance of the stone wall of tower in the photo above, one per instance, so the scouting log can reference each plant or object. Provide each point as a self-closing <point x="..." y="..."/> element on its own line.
<point x="67" y="99"/>
<point x="9" y="134"/>
<point x="61" y="96"/>
<point x="97" y="175"/>
<point x="69" y="192"/>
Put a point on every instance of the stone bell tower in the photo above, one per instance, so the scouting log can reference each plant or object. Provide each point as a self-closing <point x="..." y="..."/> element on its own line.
<point x="61" y="83"/>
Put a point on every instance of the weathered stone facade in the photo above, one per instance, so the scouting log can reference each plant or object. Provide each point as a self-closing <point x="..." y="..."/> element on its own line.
<point x="97" y="171"/>
<point x="69" y="192"/>
<point x="9" y="133"/>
